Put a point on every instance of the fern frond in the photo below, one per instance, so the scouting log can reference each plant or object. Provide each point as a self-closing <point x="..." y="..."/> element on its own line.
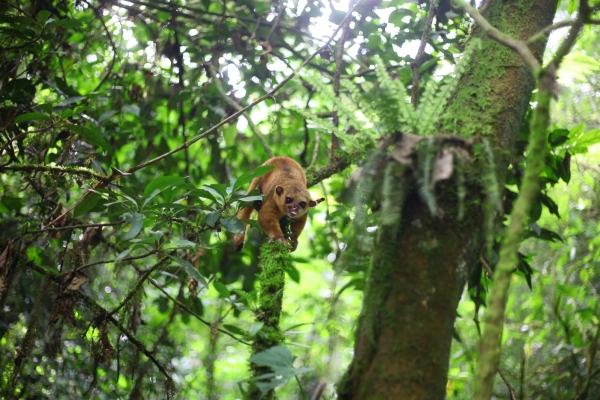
<point x="428" y="111"/>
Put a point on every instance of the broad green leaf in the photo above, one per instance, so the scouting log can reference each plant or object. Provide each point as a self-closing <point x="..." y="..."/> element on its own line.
<point x="219" y="190"/>
<point x="250" y="199"/>
<point x="122" y="255"/>
<point x="87" y="205"/>
<point x="234" y="329"/>
<point x="276" y="357"/>
<point x="575" y="132"/>
<point x="43" y="15"/>
<point x="203" y="194"/>
<point x="255" y="328"/>
<point x="222" y="289"/>
<point x="131" y="109"/>
<point x="589" y="138"/>
<point x="137" y="222"/>
<point x="232" y="224"/>
<point x="212" y="218"/>
<point x="90" y="135"/>
<point x="71" y="100"/>
<point x="31" y="117"/>
<point x="189" y="268"/>
<point x="248" y="176"/>
<point x="69" y="23"/>
<point x="161" y="183"/>
<point x="107" y="115"/>
<point x="293" y="273"/>
<point x="398" y="14"/>
<point x="182" y="243"/>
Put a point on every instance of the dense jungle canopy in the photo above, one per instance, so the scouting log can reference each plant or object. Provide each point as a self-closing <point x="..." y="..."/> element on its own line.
<point x="455" y="145"/>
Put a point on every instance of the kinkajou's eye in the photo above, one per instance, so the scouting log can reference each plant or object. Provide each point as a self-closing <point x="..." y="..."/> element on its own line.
<point x="303" y="204"/>
<point x="288" y="200"/>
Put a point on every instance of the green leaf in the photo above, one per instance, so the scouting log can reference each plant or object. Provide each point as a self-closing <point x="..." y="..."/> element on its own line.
<point x="161" y="183"/>
<point x="337" y="16"/>
<point x="293" y="273"/>
<point x="71" y="100"/>
<point x="234" y="329"/>
<point x="276" y="358"/>
<point x="398" y="14"/>
<point x="90" y="135"/>
<point x="33" y="116"/>
<point x="552" y="206"/>
<point x="131" y="109"/>
<point x="137" y="222"/>
<point x="182" y="243"/>
<point x="86" y="205"/>
<point x="230" y="133"/>
<point x="218" y="190"/>
<point x="203" y="194"/>
<point x="575" y="132"/>
<point x="107" y="115"/>
<point x="212" y="218"/>
<point x="248" y="176"/>
<point x="189" y="268"/>
<point x="589" y="138"/>
<point x="69" y="23"/>
<point x="122" y="255"/>
<point x="558" y="137"/>
<point x="44" y="15"/>
<point x="232" y="224"/>
<point x="222" y="289"/>
<point x="255" y="328"/>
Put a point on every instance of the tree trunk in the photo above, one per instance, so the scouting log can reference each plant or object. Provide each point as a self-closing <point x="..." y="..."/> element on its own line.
<point x="420" y="266"/>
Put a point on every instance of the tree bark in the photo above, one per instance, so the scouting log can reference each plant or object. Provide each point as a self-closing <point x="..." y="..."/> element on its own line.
<point x="420" y="265"/>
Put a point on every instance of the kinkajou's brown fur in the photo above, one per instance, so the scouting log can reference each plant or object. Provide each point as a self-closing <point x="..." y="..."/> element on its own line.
<point x="285" y="195"/>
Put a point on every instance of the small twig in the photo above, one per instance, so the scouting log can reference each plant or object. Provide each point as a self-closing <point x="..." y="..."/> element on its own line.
<point x="487" y="267"/>
<point x="517" y="45"/>
<point x="508" y="385"/>
<point x="140" y="283"/>
<point x="420" y="57"/>
<point x="60" y="228"/>
<point x="339" y="62"/>
<point x="277" y="20"/>
<point x="113" y="45"/>
<point x="261" y="138"/>
<point x="544" y="33"/>
<point x="133" y="258"/>
<point x="139" y="345"/>
<point x="565" y="46"/>
<point x="193" y="314"/>
<point x="319" y="390"/>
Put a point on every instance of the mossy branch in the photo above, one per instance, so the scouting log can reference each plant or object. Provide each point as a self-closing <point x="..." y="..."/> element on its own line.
<point x="489" y="356"/>
<point x="79" y="171"/>
<point x="275" y="259"/>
